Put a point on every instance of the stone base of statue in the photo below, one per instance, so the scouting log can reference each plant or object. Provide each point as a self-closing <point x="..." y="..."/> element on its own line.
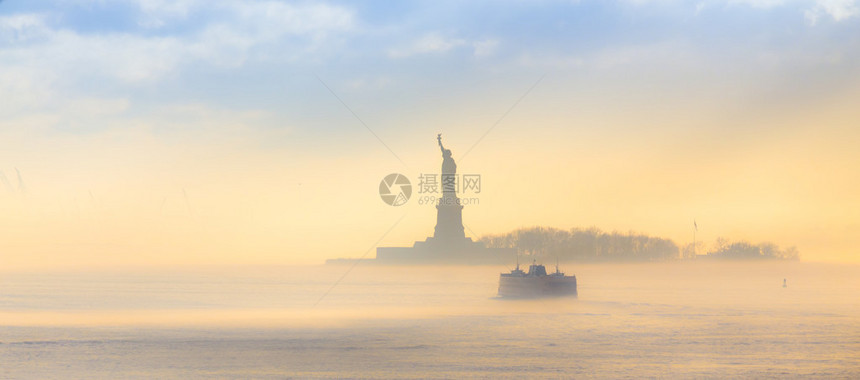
<point x="448" y="245"/>
<point x="430" y="252"/>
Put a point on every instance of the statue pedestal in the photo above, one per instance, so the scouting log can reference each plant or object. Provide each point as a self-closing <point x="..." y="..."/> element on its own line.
<point x="449" y="219"/>
<point x="448" y="245"/>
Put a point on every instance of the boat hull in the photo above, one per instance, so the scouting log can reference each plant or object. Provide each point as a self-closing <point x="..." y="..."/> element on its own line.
<point x="533" y="287"/>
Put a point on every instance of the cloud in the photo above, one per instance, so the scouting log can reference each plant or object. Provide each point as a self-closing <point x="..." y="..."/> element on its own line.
<point x="427" y="44"/>
<point x="763" y="4"/>
<point x="46" y="60"/>
<point x="550" y="61"/>
<point x="277" y="18"/>
<point x="436" y="43"/>
<point x="157" y="13"/>
<point x="21" y="27"/>
<point x="259" y="18"/>
<point x="839" y="10"/>
<point x="485" y="47"/>
<point x="369" y="83"/>
<point x="124" y="57"/>
<point x="224" y="38"/>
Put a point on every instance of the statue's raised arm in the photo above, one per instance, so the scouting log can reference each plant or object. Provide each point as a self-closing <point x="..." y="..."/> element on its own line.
<point x="448" y="165"/>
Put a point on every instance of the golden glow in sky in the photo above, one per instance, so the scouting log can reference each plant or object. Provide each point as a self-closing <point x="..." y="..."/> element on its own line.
<point x="207" y="135"/>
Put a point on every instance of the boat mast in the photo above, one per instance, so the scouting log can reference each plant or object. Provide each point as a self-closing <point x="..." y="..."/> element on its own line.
<point x="518" y="259"/>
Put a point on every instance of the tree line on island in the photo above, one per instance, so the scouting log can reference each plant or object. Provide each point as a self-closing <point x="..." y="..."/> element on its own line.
<point x="592" y="244"/>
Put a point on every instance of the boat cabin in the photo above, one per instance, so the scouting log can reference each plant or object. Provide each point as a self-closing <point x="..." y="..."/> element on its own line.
<point x="537" y="270"/>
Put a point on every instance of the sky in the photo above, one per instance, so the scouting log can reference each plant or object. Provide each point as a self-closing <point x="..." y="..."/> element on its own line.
<point x="154" y="132"/>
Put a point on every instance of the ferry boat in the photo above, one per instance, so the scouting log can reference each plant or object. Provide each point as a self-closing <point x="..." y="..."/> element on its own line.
<point x="536" y="283"/>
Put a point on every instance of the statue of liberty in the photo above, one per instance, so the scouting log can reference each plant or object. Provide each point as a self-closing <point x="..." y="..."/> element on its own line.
<point x="449" y="217"/>
<point x="449" y="244"/>
<point x="449" y="171"/>
<point x="448" y="165"/>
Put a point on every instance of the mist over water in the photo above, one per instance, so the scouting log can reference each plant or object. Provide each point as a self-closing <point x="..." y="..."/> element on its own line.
<point x="630" y="320"/>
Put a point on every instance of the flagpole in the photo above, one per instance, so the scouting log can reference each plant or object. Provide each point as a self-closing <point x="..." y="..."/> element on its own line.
<point x="695" y="228"/>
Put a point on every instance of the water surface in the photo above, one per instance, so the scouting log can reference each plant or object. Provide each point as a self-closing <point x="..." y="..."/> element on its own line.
<point x="630" y="321"/>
